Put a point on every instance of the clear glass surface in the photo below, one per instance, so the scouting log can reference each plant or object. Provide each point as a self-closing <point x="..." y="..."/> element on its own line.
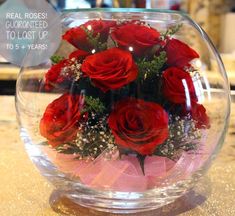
<point x="134" y="121"/>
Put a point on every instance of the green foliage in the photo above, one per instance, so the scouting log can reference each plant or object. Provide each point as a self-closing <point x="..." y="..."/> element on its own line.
<point x="56" y="59"/>
<point x="171" y="31"/>
<point x="92" y="140"/>
<point x="183" y="136"/>
<point x="93" y="105"/>
<point x="92" y="149"/>
<point x="152" y="68"/>
<point x="94" y="40"/>
<point x="68" y="149"/>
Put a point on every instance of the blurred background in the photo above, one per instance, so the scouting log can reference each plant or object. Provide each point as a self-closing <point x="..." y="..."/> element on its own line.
<point x="216" y="17"/>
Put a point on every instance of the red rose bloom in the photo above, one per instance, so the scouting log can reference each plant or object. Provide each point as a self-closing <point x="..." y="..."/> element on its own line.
<point x="61" y="119"/>
<point x="179" y="54"/>
<point x="110" y="69"/>
<point x="140" y="38"/>
<point x="139" y="125"/>
<point x="55" y="75"/>
<point x="198" y="113"/>
<point x="65" y="70"/>
<point x="78" y="37"/>
<point x="178" y="86"/>
<point x="79" y="55"/>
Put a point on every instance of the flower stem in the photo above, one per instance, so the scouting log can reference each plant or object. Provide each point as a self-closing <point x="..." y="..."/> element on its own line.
<point x="141" y="159"/>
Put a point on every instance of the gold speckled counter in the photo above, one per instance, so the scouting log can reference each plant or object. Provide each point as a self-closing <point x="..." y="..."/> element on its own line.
<point x="23" y="191"/>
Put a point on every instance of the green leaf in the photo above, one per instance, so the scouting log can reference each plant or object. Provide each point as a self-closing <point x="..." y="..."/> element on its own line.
<point x="171" y="31"/>
<point x="94" y="40"/>
<point x="56" y="59"/>
<point x="93" y="105"/>
<point x="152" y="68"/>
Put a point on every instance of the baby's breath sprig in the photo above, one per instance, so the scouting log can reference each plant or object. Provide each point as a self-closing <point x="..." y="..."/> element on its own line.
<point x="123" y="22"/>
<point x="183" y="136"/>
<point x="93" y="138"/>
<point x="72" y="70"/>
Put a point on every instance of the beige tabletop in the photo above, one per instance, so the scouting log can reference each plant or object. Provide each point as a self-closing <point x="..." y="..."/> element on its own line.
<point x="25" y="192"/>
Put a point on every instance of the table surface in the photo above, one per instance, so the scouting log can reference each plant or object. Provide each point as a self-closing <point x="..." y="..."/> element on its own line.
<point x="25" y="192"/>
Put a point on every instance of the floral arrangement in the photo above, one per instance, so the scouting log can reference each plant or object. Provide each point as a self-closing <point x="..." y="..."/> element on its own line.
<point x="128" y="91"/>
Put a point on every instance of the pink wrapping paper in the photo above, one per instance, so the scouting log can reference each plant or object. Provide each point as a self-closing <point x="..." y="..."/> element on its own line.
<point x="125" y="174"/>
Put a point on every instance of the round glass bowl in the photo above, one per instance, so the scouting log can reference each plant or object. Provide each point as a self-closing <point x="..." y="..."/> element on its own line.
<point x="129" y="112"/>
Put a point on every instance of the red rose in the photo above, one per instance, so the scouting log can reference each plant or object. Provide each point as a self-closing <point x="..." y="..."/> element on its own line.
<point x="65" y="70"/>
<point x="79" y="55"/>
<point x="61" y="119"/>
<point x="179" y="54"/>
<point x="78" y="37"/>
<point x="178" y="86"/>
<point x="140" y="38"/>
<point x="110" y="69"/>
<point x="139" y="125"/>
<point x="198" y="113"/>
<point x="55" y="75"/>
